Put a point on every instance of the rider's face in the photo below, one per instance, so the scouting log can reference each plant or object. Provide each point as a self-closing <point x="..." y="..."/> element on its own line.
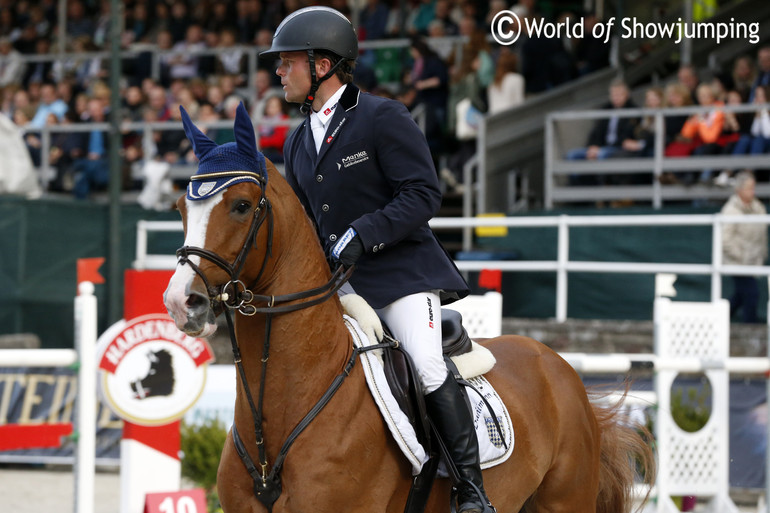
<point x="295" y="76"/>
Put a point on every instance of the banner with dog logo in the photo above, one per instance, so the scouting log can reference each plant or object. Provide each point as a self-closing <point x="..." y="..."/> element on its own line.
<point x="150" y="372"/>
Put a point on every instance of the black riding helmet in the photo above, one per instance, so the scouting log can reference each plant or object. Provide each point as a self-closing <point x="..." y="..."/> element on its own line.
<point x="311" y="29"/>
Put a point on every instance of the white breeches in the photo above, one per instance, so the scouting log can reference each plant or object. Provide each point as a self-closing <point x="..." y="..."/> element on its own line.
<point x="415" y="321"/>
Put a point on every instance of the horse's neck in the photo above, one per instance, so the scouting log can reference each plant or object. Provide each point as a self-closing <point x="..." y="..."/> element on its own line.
<point x="308" y="347"/>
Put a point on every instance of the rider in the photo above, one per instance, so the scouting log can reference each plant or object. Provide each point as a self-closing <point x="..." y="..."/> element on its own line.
<point x="363" y="171"/>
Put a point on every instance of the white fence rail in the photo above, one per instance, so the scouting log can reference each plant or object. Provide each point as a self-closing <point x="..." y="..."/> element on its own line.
<point x="84" y="355"/>
<point x="562" y="265"/>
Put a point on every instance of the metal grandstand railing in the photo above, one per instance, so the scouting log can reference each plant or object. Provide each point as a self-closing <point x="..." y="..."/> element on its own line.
<point x="561" y="134"/>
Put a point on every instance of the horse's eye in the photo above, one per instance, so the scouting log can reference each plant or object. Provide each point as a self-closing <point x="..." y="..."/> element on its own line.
<point x="241" y="207"/>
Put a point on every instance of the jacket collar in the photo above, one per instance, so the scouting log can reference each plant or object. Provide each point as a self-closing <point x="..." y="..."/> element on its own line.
<point x="348" y="101"/>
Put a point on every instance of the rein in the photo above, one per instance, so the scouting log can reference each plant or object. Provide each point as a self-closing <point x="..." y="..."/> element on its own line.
<point x="234" y="295"/>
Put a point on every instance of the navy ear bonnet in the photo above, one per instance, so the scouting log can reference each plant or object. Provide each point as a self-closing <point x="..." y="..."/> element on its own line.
<point x="221" y="166"/>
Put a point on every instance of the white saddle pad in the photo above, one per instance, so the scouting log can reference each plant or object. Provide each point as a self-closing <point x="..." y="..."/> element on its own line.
<point x="491" y="448"/>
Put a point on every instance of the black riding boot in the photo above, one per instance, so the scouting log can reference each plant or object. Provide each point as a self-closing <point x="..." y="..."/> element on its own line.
<point x="449" y="410"/>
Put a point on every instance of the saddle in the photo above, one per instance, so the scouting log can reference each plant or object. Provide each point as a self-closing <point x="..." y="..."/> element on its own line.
<point x="402" y="378"/>
<point x="404" y="383"/>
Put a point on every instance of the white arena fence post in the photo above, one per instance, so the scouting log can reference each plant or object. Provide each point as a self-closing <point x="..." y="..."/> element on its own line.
<point x="86" y="402"/>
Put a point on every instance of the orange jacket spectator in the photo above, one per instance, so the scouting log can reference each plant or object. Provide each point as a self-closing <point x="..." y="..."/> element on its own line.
<point x="706" y="126"/>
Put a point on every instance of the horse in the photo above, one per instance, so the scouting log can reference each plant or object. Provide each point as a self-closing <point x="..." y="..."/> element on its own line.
<point x="303" y="411"/>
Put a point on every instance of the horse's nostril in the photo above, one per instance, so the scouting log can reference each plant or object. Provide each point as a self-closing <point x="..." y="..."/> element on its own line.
<point x="197" y="301"/>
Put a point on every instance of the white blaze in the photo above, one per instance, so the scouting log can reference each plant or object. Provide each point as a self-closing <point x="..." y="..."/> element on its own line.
<point x="198" y="214"/>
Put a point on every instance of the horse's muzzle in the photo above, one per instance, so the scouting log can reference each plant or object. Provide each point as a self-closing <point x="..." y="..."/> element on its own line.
<point x="190" y="309"/>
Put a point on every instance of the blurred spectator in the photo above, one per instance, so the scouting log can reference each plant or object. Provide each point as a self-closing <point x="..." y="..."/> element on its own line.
<point x="172" y="145"/>
<point x="222" y="17"/>
<point x="158" y="103"/>
<point x="92" y="171"/>
<point x="738" y="125"/>
<point x="137" y="22"/>
<point x="687" y="75"/>
<point x="248" y="19"/>
<point x="78" y="22"/>
<point x="8" y="26"/>
<point x="443" y="15"/>
<point x="744" y="244"/>
<point x="85" y="70"/>
<point x="524" y="8"/>
<point x="263" y="83"/>
<point x="21" y="118"/>
<point x="467" y="104"/>
<point x="545" y="62"/>
<point x="27" y="40"/>
<point x="705" y="129"/>
<point x="11" y="64"/>
<point x="272" y="134"/>
<point x="184" y="60"/>
<point x="373" y="20"/>
<point x="160" y="21"/>
<point x="477" y="47"/>
<point x="430" y="79"/>
<point x="608" y="134"/>
<point x="133" y="104"/>
<point x="66" y="148"/>
<point x="758" y="140"/>
<point x="763" y="74"/>
<point x="744" y="73"/>
<point x="676" y="96"/>
<point x="178" y="21"/>
<point x="101" y="33"/>
<point x="20" y="100"/>
<point x="591" y="52"/>
<point x="216" y="99"/>
<point x="232" y="59"/>
<point x="423" y="14"/>
<point x="507" y="89"/>
<point x="643" y="143"/>
<point x="49" y="103"/>
<point x="495" y="7"/>
<point x="40" y="71"/>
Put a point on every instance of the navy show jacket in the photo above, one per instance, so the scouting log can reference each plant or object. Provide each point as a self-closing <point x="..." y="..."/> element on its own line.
<point x="374" y="172"/>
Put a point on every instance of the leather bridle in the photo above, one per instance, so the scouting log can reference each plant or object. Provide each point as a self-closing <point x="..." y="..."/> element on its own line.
<point x="235" y="295"/>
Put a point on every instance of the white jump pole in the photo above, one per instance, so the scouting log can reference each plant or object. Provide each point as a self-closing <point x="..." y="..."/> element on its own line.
<point x="85" y="423"/>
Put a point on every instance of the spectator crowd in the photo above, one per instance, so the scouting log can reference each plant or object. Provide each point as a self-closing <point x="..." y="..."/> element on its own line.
<point x="192" y="54"/>
<point x="713" y="131"/>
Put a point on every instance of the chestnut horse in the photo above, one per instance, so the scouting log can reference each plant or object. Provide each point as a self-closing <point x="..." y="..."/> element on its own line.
<point x="251" y="250"/>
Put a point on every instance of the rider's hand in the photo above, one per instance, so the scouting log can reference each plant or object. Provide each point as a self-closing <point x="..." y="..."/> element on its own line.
<point x="348" y="249"/>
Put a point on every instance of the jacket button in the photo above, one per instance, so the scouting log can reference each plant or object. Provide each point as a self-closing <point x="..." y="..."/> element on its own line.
<point x="381" y="246"/>
<point x="319" y="178"/>
<point x="325" y="207"/>
<point x="332" y="237"/>
<point x="375" y="249"/>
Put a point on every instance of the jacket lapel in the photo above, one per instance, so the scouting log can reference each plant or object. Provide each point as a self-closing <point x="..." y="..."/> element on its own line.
<point x="309" y="142"/>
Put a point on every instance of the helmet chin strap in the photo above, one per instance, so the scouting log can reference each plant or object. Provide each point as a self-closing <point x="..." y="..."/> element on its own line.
<point x="315" y="82"/>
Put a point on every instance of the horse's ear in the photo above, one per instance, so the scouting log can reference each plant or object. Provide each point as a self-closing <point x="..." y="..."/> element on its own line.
<point x="244" y="132"/>
<point x="200" y="143"/>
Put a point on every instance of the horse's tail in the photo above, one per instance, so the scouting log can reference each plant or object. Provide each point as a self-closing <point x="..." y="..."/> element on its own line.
<point x="625" y="451"/>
